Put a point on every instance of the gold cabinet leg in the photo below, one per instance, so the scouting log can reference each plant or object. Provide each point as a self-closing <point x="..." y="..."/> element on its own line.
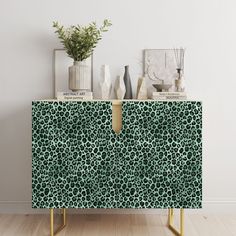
<point x="51" y="222"/>
<point x="171" y="221"/>
<point x="182" y="222"/>
<point x="170" y="216"/>
<point x="64" y="216"/>
<point x="63" y="213"/>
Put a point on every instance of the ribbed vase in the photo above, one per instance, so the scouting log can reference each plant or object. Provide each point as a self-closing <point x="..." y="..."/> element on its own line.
<point x="79" y="74"/>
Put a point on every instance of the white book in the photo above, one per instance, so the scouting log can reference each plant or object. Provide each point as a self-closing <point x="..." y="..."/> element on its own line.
<point x="66" y="98"/>
<point x="169" y="94"/>
<point x="78" y="93"/>
<point x="169" y="97"/>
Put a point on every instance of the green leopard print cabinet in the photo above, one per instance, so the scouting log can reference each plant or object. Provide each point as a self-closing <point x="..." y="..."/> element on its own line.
<point x="78" y="161"/>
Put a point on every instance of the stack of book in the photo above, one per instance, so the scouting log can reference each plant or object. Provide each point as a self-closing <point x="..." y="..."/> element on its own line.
<point x="169" y="96"/>
<point x="80" y="95"/>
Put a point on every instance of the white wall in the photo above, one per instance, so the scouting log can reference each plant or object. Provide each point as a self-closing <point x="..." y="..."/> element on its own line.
<point x="206" y="28"/>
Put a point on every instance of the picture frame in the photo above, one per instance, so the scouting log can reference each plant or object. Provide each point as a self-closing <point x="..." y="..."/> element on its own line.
<point x="159" y="64"/>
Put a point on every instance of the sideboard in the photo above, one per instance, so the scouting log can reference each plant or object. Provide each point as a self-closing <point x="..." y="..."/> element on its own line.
<point x="153" y="161"/>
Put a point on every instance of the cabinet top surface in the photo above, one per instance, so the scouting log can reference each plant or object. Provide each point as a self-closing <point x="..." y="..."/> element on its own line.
<point x="115" y="101"/>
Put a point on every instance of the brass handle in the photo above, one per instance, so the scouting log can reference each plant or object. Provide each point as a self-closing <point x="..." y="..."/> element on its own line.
<point x="117" y="116"/>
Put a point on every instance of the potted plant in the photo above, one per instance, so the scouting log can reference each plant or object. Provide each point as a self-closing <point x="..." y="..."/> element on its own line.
<point x="79" y="43"/>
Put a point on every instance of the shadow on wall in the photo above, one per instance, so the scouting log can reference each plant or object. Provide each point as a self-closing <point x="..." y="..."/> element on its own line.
<point x="15" y="155"/>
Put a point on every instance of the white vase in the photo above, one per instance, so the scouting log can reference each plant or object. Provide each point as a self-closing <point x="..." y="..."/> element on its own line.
<point x="180" y="83"/>
<point x="79" y="74"/>
<point x="120" y="88"/>
<point x="105" y="83"/>
<point x="142" y="89"/>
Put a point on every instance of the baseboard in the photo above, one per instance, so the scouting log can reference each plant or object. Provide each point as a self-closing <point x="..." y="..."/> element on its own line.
<point x="227" y="206"/>
<point x="209" y="207"/>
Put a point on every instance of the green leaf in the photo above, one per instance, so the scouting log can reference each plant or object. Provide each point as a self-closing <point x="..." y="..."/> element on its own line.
<point x="79" y="41"/>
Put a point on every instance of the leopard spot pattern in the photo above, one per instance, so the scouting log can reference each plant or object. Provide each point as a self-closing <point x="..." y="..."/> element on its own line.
<point x="78" y="161"/>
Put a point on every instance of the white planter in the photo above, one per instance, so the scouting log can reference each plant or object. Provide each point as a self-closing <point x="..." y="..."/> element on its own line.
<point x="120" y="88"/>
<point x="105" y="83"/>
<point x="79" y="74"/>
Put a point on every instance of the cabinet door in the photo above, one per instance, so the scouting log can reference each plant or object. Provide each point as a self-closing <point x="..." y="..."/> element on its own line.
<point x="70" y="147"/>
<point x="155" y="164"/>
<point x="188" y="116"/>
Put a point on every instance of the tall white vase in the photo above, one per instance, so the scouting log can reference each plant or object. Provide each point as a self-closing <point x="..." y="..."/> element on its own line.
<point x="105" y="83"/>
<point x="142" y="89"/>
<point x="79" y="74"/>
<point x="120" y="87"/>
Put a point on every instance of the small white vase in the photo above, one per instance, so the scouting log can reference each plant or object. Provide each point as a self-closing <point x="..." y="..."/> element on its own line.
<point x="78" y="76"/>
<point x="120" y="88"/>
<point x="142" y="89"/>
<point x="180" y="83"/>
<point x="105" y="83"/>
